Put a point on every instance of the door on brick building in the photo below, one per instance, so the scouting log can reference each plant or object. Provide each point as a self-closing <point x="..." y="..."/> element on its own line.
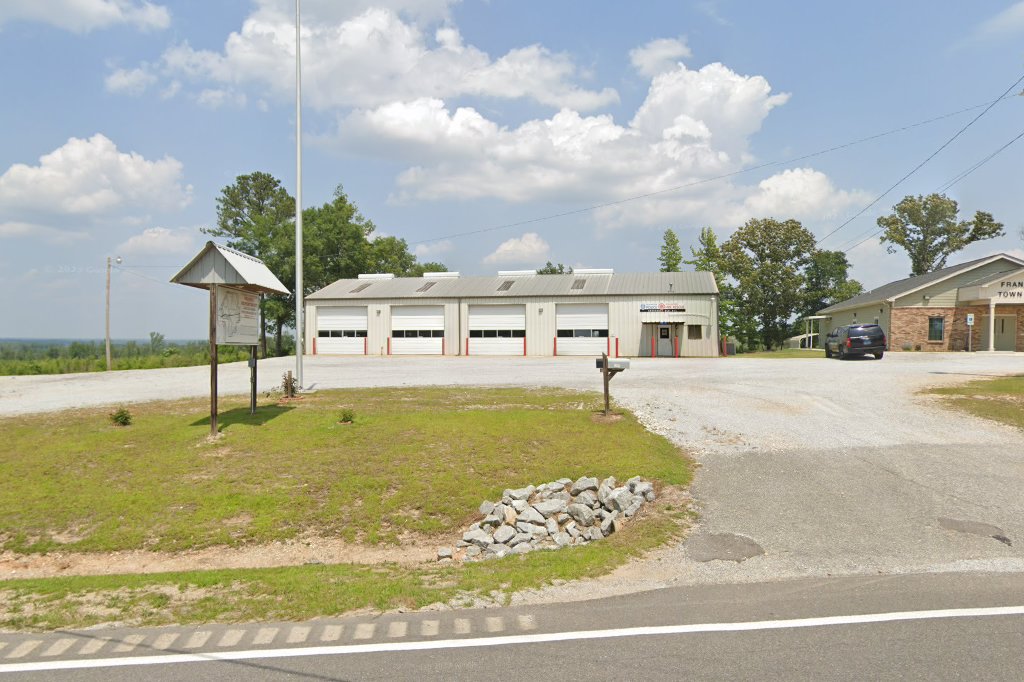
<point x="1005" y="334"/>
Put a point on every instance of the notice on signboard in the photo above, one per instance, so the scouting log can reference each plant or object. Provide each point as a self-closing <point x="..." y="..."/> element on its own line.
<point x="970" y="319"/>
<point x="238" y="317"/>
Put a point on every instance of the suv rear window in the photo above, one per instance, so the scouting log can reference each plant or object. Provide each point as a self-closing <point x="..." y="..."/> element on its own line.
<point x="870" y="330"/>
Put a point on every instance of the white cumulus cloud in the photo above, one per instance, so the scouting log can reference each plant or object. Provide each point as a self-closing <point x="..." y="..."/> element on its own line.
<point x="82" y="16"/>
<point x="1009" y="22"/>
<point x="129" y="81"/>
<point x="526" y="249"/>
<point x="433" y="249"/>
<point x="658" y="56"/>
<point x="159" y="241"/>
<point x="91" y="177"/>
<point x="373" y="56"/>
<point x="51" y="235"/>
<point x="799" y="193"/>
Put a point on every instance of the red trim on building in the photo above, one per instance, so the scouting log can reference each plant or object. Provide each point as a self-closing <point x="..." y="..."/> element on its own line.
<point x="314" y="345"/>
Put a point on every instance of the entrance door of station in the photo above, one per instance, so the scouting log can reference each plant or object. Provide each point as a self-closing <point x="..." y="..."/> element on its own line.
<point x="1006" y="332"/>
<point x="665" y="342"/>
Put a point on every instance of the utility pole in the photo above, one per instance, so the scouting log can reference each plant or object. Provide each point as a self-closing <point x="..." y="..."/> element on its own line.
<point x="118" y="261"/>
<point x="298" y="197"/>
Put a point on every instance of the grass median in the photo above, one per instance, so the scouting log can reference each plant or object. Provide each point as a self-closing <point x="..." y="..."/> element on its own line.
<point x="416" y="463"/>
<point x="1000" y="399"/>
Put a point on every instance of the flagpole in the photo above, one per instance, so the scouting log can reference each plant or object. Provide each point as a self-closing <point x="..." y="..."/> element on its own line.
<point x="299" y="326"/>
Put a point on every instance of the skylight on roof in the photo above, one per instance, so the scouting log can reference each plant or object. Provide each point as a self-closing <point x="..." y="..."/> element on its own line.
<point x="426" y="286"/>
<point x="506" y="285"/>
<point x="360" y="287"/>
<point x="579" y="284"/>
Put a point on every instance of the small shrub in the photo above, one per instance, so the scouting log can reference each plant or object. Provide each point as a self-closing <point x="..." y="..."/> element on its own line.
<point x="347" y="416"/>
<point x="907" y="346"/>
<point x="289" y="384"/>
<point x="917" y="346"/>
<point x="121" y="417"/>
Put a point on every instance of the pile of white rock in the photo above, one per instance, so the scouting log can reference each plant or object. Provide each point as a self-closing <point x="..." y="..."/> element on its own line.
<point x="551" y="516"/>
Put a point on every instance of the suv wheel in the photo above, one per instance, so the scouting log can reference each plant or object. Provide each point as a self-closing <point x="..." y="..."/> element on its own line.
<point x="842" y="352"/>
<point x="879" y="354"/>
<point x="828" y="353"/>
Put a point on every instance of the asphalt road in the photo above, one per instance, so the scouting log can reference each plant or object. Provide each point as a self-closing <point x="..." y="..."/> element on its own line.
<point x="943" y="626"/>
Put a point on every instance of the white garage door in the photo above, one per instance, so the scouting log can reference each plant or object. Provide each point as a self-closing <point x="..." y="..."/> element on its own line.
<point x="497" y="330"/>
<point x="417" y="330"/>
<point x="582" y="328"/>
<point x="341" y="330"/>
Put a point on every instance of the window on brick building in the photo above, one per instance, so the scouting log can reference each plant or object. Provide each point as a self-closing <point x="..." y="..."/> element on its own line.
<point x="935" y="325"/>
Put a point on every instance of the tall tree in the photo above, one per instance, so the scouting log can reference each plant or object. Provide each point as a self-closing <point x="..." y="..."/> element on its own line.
<point x="552" y="269"/>
<point x="707" y="257"/>
<point x="828" y="281"/>
<point x="766" y="258"/>
<point x="255" y="214"/>
<point x="671" y="255"/>
<point x="928" y="230"/>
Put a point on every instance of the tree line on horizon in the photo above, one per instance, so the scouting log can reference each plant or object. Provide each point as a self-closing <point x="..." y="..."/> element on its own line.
<point x="770" y="273"/>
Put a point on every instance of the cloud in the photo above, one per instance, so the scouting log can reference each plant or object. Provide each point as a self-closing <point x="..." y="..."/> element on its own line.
<point x="216" y="98"/>
<point x="799" y="193"/>
<point x="658" y="56"/>
<point x="129" y="82"/>
<point x="82" y="16"/>
<point x="90" y="177"/>
<point x="372" y="57"/>
<point x="159" y="241"/>
<point x="526" y="249"/>
<point x="1009" y="22"/>
<point x="693" y="124"/>
<point x="50" y="235"/>
<point x="433" y="249"/>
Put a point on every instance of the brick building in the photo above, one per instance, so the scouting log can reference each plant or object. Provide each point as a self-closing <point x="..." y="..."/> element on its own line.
<point x="931" y="312"/>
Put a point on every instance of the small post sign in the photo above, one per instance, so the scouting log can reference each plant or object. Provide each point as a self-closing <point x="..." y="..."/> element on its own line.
<point x="970" y="331"/>
<point x="970" y="319"/>
<point x="235" y="281"/>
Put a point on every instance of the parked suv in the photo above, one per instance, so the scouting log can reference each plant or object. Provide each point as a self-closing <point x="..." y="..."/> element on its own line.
<point x="855" y="339"/>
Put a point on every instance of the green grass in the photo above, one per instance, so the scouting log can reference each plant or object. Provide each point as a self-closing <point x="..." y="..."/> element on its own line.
<point x="416" y="461"/>
<point x="1000" y="399"/>
<point x="785" y="354"/>
<point x="306" y="592"/>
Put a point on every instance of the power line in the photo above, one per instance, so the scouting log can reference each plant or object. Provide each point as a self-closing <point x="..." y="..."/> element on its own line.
<point x="139" y="274"/>
<point x="929" y="158"/>
<point x="978" y="165"/>
<point x="961" y="176"/>
<point x="715" y="178"/>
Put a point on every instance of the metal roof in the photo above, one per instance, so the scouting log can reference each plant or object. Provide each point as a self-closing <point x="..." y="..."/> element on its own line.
<point x="217" y="264"/>
<point x="894" y="290"/>
<point x="647" y="283"/>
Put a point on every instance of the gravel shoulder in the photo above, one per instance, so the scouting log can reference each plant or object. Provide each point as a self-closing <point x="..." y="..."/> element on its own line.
<point x="830" y="468"/>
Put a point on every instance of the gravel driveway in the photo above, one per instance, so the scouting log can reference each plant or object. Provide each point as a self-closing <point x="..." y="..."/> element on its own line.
<point x="827" y="467"/>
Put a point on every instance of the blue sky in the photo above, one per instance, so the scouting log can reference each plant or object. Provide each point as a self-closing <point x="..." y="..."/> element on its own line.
<point x="123" y="119"/>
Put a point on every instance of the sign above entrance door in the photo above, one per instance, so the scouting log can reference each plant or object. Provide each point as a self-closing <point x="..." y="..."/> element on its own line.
<point x="662" y="307"/>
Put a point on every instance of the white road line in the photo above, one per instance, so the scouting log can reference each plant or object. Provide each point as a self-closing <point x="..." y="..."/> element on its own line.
<point x="398" y="628"/>
<point x="93" y="645"/>
<point x="364" y="631"/>
<point x="198" y="639"/>
<point x="59" y="647"/>
<point x="495" y="623"/>
<point x="297" y="635"/>
<point x="430" y="628"/>
<point x="463" y="626"/>
<point x="385" y="647"/>
<point x="265" y="636"/>
<point x="231" y="638"/>
<point x="24" y="649"/>
<point x="331" y="633"/>
<point x="129" y="643"/>
<point x="526" y="622"/>
<point x="165" y="640"/>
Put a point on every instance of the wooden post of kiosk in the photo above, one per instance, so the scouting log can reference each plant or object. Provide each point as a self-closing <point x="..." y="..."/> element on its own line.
<point x="252" y="380"/>
<point x="213" y="360"/>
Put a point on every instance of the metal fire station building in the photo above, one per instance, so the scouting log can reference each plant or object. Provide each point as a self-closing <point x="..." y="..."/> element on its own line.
<point x="588" y="312"/>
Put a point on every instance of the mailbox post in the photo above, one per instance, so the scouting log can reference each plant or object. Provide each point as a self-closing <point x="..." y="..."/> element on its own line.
<point x="609" y="368"/>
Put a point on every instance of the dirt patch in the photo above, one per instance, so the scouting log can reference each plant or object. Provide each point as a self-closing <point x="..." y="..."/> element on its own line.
<point x="601" y="418"/>
<point x="411" y="551"/>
